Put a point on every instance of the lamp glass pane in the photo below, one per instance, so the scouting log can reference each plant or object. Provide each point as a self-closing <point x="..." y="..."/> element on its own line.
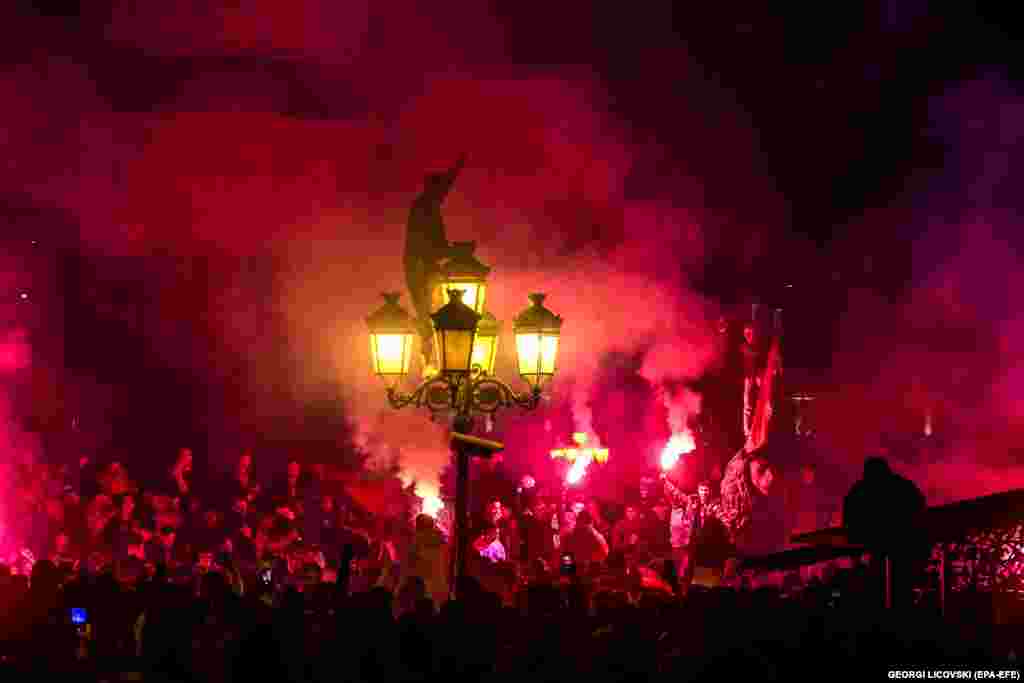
<point x="527" y="352"/>
<point x="537" y="353"/>
<point x="474" y="293"/>
<point x="548" y="353"/>
<point x="483" y="352"/>
<point x="391" y="354"/>
<point x="456" y="349"/>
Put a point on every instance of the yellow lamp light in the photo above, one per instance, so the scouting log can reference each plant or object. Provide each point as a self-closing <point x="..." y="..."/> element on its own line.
<point x="485" y="344"/>
<point x="537" y="331"/>
<point x="391" y="334"/>
<point x="455" y="326"/>
<point x="461" y="270"/>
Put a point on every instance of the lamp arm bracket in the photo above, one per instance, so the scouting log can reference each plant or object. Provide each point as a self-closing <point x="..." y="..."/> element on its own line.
<point x="487" y="394"/>
<point x="436" y="393"/>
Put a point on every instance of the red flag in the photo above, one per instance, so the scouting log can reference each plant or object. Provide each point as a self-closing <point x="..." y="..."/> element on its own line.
<point x="763" y="412"/>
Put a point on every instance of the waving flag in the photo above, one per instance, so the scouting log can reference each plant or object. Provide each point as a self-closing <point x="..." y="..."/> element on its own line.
<point x="763" y="412"/>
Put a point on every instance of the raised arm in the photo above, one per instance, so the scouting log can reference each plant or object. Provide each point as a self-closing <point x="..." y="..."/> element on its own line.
<point x="449" y="177"/>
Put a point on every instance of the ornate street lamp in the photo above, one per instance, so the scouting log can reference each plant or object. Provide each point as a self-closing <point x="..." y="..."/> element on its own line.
<point x="537" y="331"/>
<point x="465" y="343"/>
<point x="391" y="333"/>
<point x="460" y="387"/>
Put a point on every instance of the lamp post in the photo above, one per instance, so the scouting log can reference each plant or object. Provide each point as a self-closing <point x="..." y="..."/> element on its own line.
<point x="465" y="342"/>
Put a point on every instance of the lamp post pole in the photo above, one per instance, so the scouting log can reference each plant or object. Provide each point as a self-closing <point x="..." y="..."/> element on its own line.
<point x="463" y="424"/>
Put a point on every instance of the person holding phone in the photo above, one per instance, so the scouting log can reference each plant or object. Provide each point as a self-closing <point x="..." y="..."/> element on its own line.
<point x="79" y="617"/>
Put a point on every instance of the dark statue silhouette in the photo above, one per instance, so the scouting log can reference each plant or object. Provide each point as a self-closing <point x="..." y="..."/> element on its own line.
<point x="427" y="246"/>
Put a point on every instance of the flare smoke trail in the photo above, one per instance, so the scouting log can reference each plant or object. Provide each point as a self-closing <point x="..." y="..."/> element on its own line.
<point x="17" y="447"/>
<point x="667" y="367"/>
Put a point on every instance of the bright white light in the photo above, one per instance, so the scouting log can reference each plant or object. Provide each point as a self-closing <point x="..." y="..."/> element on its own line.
<point x="680" y="444"/>
<point x="578" y="469"/>
<point x="23" y="296"/>
<point x="430" y="502"/>
<point x="432" y="505"/>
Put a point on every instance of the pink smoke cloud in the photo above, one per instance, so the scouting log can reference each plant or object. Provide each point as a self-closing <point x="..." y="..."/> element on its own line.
<point x="16" y="444"/>
<point x="218" y="170"/>
<point x="948" y="346"/>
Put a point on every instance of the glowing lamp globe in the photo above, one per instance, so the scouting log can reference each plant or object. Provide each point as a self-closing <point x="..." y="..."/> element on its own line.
<point x="485" y="344"/>
<point x="455" y="326"/>
<point x="391" y="334"/>
<point x="461" y="270"/>
<point x="536" y="331"/>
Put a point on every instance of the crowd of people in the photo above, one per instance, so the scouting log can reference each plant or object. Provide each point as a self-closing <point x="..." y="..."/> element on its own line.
<point x="293" y="578"/>
<point x="99" y="518"/>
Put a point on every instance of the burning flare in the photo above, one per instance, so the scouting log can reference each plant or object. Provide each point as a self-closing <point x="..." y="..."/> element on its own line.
<point x="578" y="469"/>
<point x="432" y="505"/>
<point x="579" y="457"/>
<point x="680" y="444"/>
<point x="428" y="493"/>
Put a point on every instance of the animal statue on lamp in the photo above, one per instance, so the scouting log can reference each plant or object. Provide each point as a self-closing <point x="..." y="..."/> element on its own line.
<point x="427" y="247"/>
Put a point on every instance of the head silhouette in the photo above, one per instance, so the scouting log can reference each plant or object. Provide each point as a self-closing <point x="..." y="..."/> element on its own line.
<point x="875" y="468"/>
<point x="424" y="522"/>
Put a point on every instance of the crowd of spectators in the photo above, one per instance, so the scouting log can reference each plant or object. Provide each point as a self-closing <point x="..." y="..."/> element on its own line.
<point x="288" y="581"/>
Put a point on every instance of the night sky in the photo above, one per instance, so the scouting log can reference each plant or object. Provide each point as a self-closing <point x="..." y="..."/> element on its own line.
<point x="863" y="154"/>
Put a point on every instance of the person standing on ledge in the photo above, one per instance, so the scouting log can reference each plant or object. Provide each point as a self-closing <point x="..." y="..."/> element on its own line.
<point x="747" y="480"/>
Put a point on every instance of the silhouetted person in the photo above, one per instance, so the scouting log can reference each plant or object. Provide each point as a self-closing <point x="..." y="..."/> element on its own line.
<point x="883" y="512"/>
<point x="753" y="367"/>
<point x="426" y="243"/>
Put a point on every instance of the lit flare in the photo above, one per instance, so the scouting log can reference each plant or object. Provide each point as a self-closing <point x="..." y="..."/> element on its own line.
<point x="430" y="500"/>
<point x="432" y="505"/>
<point x="680" y="444"/>
<point x="578" y="469"/>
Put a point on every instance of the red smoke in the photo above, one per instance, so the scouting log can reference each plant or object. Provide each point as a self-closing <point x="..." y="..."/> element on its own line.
<point x="949" y="344"/>
<point x="16" y="445"/>
<point x="214" y="165"/>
